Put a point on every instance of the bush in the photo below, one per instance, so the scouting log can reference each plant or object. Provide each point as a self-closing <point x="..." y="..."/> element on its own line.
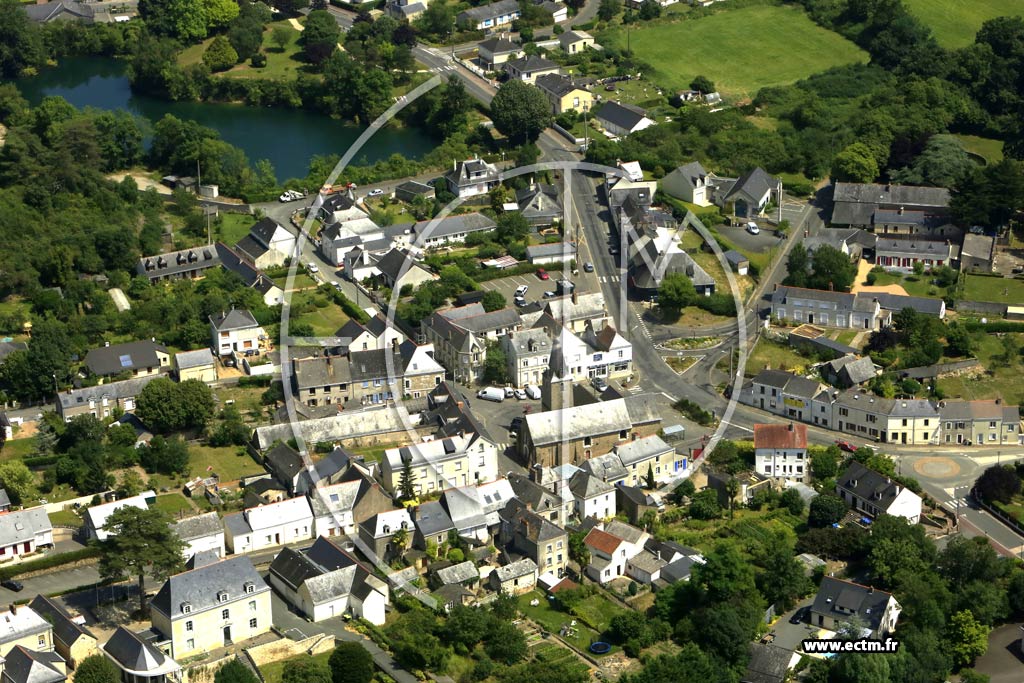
<point x="258" y="60"/>
<point x="257" y="381"/>
<point x="693" y="411"/>
<point x="49" y="562"/>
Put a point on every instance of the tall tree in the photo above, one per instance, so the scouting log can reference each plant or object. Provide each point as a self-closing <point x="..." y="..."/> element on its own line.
<point x="234" y="672"/>
<point x="520" y="111"/>
<point x="97" y="669"/>
<point x="797" y="265"/>
<point x="21" y="41"/>
<point x="676" y="292"/>
<point x="320" y="36"/>
<point x="305" y="670"/>
<point x="406" y="481"/>
<point x="18" y="480"/>
<point x="855" y="164"/>
<point x="966" y="638"/>
<point x="140" y="542"/>
<point x="350" y="663"/>
<point x="182" y="19"/>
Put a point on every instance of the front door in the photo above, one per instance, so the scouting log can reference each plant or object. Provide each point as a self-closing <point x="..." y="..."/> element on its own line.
<point x="227" y="635"/>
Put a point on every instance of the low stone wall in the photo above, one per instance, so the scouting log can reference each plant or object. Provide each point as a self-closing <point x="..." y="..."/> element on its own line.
<point x="286" y="648"/>
<point x="986" y="307"/>
<point x="204" y="672"/>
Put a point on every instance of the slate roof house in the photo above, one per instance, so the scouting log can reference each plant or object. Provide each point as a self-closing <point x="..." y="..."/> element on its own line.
<point x="691" y="183"/>
<point x="459" y="336"/>
<point x="432" y="524"/>
<point x="201" y="533"/>
<point x="497" y="50"/>
<point x="873" y="494"/>
<point x="871" y="205"/>
<point x="324" y="581"/>
<point x="749" y="194"/>
<point x="655" y="257"/>
<point x="529" y="69"/>
<point x="251" y="276"/>
<point x="979" y="423"/>
<point x="977" y="253"/>
<point x="138" y="359"/>
<point x="23" y="532"/>
<point x="267" y="526"/>
<point x="839" y="602"/>
<point x="139" y="660"/>
<point x="186" y="264"/>
<point x="621" y="119"/>
<point x="515" y="578"/>
<point x="267" y="244"/>
<point x="72" y="641"/>
<point x="397" y="270"/>
<point x="199" y="364"/>
<point x="901" y="253"/>
<point x="22" y="665"/>
<point x="378" y="533"/>
<point x="539" y="204"/>
<point x="96" y="516"/>
<point x="448" y="230"/>
<point x="234" y="330"/>
<point x="535" y="537"/>
<point x="492" y="16"/>
<point x="564" y="93"/>
<point x="60" y="10"/>
<point x="473" y="176"/>
<point x="848" y="371"/>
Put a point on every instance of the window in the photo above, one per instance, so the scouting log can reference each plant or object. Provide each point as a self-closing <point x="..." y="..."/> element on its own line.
<point x="991" y="424"/>
<point x="42" y="640"/>
<point x="222" y="596"/>
<point x="186" y="608"/>
<point x="188" y="625"/>
<point x="252" y="605"/>
<point x="549" y="547"/>
<point x="588" y="441"/>
<point x="190" y="644"/>
<point x="250" y="588"/>
<point x="252" y="623"/>
<point x="559" y="545"/>
<point x="926" y="423"/>
<point x="623" y="434"/>
<point x="904" y="422"/>
<point x="225" y="614"/>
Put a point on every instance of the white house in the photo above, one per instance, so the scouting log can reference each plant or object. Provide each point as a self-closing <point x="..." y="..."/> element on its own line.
<point x="235" y="330"/>
<point x="780" y="450"/>
<point x="873" y="494"/>
<point x="691" y="183"/>
<point x="324" y="581"/>
<point x="436" y="465"/>
<point x="270" y="525"/>
<point x="472" y="177"/>
<point x="267" y="244"/>
<point x="611" y="549"/>
<point x="96" y="516"/>
<point x="23" y="532"/>
<point x="605" y="354"/>
<point x="201" y="533"/>
<point x="592" y="496"/>
<point x="332" y="508"/>
<point x="622" y="119"/>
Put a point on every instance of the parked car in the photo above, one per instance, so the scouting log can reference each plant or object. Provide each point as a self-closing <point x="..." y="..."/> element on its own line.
<point x="613" y="250"/>
<point x="599" y="383"/>
<point x="517" y="424"/>
<point x="491" y="394"/>
<point x="798" y="616"/>
<point x="286" y="197"/>
<point x="313" y="268"/>
<point x="13" y="585"/>
<point x="588" y="267"/>
<point x="521" y="291"/>
<point x="376" y="192"/>
<point x="510" y="392"/>
<point x="520" y="394"/>
<point x="533" y="391"/>
<point x="846" y="446"/>
<point x="752" y="228"/>
<point x="543" y="274"/>
<point x="550" y="295"/>
<point x="519" y="301"/>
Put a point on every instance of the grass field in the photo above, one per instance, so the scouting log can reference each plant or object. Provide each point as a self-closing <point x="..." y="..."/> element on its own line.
<point x="272" y="671"/>
<point x="988" y="149"/>
<point x="552" y="619"/>
<point x="280" y="63"/>
<point x="65" y="518"/>
<point x="955" y="22"/>
<point x="325" y="321"/>
<point x="174" y="504"/>
<point x="741" y="51"/>
<point x="225" y="461"/>
<point x="234" y="226"/>
<point x="778" y="357"/>
<point x="1003" y="382"/>
<point x="995" y="289"/>
<point x="915" y="286"/>
<point x="17" y="449"/>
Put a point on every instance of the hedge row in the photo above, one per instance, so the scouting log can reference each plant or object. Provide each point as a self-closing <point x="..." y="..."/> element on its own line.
<point x="49" y="562"/>
<point x="41" y="461"/>
<point x="254" y="381"/>
<point x="996" y="326"/>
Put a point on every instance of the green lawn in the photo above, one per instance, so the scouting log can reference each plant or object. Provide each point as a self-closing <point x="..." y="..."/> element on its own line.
<point x="846" y="336"/>
<point x="17" y="449"/>
<point x="1003" y="382"/>
<point x="995" y="289"/>
<point x="955" y="22"/>
<point x="325" y="321"/>
<point x="272" y="671"/>
<point x="65" y="518"/>
<point x="552" y="619"/>
<point x="988" y="149"/>
<point x="915" y="286"/>
<point x="742" y="50"/>
<point x="302" y="281"/>
<point x="174" y="504"/>
<point x="225" y="461"/>
<point x="280" y="64"/>
<point x="371" y="453"/>
<point x="778" y="357"/>
<point x="234" y="226"/>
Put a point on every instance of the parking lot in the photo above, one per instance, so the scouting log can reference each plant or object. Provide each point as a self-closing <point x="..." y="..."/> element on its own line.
<point x="738" y="235"/>
<point x="507" y="285"/>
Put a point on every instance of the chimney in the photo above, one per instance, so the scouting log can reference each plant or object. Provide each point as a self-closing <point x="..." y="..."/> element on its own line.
<point x="901" y="211"/>
<point x="775" y="287"/>
<point x="14" y="608"/>
<point x="657" y="555"/>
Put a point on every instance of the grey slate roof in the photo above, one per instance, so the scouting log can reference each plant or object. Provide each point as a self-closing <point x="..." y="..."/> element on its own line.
<point x="606" y="467"/>
<point x="641" y="450"/>
<point x="768" y="664"/>
<point x="457" y="573"/>
<point x="853" y="370"/>
<point x="177" y="262"/>
<point x="516" y="569"/>
<point x="565" y="250"/>
<point x="531" y="63"/>
<point x="27" y="666"/>
<point x="128" y="388"/>
<point x="843" y="599"/>
<point x="869" y="485"/>
<point x="453" y="225"/>
<point x="5" y="500"/>
<point x="431" y="519"/>
<point x="499" y="45"/>
<point x="558" y="85"/>
<point x="977" y="246"/>
<point x="251" y="248"/>
<point x="754" y="183"/>
<point x="7" y="348"/>
<point x="200" y="526"/>
<point x="284" y="460"/>
<point x="625" y="116"/>
<point x="264" y="230"/>
<point x="235" y="319"/>
<point x="199" y="587"/>
<point x="897" y="302"/>
<point x="132" y="653"/>
<point x="491" y="11"/>
<point x="194" y="359"/>
<point x="22" y="525"/>
<point x="64" y="629"/>
<point x="585" y="485"/>
<point x="116" y="358"/>
<point x="887" y="406"/>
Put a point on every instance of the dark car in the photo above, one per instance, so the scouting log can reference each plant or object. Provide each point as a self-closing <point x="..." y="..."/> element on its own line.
<point x="798" y="616"/>
<point x="516" y="425"/>
<point x="13" y="585"/>
<point x="846" y="446"/>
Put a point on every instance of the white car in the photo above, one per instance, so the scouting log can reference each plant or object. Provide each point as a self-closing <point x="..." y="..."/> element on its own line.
<point x="521" y="394"/>
<point x="752" y="228"/>
<point x="521" y="291"/>
<point x="375" y="192"/>
<point x="286" y="197"/>
<point x="313" y="268"/>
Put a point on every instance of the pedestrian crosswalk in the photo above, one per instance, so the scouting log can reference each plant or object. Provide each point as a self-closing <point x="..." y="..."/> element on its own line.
<point x="951" y="505"/>
<point x="605" y="279"/>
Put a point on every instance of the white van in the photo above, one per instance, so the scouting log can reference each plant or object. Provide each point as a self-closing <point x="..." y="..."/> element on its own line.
<point x="533" y="391"/>
<point x="491" y="394"/>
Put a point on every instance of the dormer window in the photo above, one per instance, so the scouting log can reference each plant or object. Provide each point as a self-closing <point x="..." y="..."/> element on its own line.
<point x="250" y="587"/>
<point x="222" y="596"/>
<point x="186" y="608"/>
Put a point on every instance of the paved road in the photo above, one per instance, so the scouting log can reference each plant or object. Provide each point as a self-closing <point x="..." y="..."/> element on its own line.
<point x="1004" y="661"/>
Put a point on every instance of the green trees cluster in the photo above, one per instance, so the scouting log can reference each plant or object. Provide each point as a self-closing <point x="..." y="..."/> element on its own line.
<point x="520" y="111"/>
<point x="140" y="542"/>
<point x="166" y="406"/>
<point x="187" y="20"/>
<point x="826" y="268"/>
<point x="320" y="36"/>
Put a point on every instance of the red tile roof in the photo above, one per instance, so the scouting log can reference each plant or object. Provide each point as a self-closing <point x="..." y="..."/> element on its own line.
<point x="780" y="436"/>
<point x="602" y="541"/>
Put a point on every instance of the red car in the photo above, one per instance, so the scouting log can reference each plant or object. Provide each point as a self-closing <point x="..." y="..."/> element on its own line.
<point x="846" y="446"/>
<point x="542" y="274"/>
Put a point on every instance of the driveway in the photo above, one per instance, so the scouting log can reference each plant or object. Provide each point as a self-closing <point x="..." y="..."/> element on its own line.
<point x="790" y="636"/>
<point x="738" y="235"/>
<point x="508" y="285"/>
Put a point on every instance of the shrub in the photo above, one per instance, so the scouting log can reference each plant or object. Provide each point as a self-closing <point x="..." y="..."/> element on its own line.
<point x="258" y="60"/>
<point x="49" y="562"/>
